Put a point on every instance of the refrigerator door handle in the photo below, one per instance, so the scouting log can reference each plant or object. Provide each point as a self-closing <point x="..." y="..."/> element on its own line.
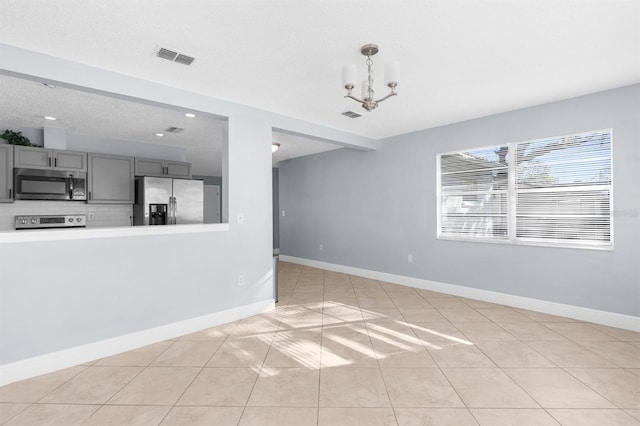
<point x="171" y="214"/>
<point x="175" y="211"/>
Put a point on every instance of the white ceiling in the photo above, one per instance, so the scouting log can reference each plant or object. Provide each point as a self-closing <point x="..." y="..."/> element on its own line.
<point x="459" y="59"/>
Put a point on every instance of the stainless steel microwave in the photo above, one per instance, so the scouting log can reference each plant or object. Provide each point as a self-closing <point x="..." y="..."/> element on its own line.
<point x="34" y="184"/>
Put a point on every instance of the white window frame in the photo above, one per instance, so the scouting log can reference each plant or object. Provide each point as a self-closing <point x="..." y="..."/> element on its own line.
<point x="512" y="201"/>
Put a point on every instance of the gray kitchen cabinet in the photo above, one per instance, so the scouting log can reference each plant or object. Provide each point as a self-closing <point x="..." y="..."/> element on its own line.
<point x="6" y="173"/>
<point x="178" y="169"/>
<point x="110" y="179"/>
<point x="70" y="160"/>
<point x="162" y="168"/>
<point x="49" y="159"/>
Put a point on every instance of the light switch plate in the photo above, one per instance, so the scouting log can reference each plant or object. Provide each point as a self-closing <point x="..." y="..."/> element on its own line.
<point x="240" y="218"/>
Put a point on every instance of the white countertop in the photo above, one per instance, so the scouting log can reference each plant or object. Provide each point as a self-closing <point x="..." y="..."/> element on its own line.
<point x="88" y="233"/>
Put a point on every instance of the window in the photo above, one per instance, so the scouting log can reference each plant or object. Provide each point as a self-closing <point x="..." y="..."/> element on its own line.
<point x="554" y="191"/>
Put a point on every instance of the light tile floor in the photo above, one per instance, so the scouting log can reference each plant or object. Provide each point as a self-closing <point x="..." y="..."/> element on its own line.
<point x="345" y="350"/>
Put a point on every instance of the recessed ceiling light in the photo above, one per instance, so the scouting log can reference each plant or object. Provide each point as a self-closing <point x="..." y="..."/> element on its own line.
<point x="159" y="135"/>
<point x="189" y="115"/>
<point x="47" y="117"/>
<point x="275" y="146"/>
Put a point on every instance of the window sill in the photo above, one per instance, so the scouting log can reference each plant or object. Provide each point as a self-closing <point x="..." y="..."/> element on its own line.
<point x="550" y="244"/>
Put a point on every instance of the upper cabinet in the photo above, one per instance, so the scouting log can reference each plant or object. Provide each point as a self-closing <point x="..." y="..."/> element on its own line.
<point x="43" y="158"/>
<point x="111" y="179"/>
<point x="6" y="173"/>
<point x="162" y="168"/>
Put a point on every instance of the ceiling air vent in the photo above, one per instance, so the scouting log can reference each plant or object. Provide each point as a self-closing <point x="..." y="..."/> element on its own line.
<point x="173" y="129"/>
<point x="173" y="56"/>
<point x="351" y="114"/>
<point x="184" y="59"/>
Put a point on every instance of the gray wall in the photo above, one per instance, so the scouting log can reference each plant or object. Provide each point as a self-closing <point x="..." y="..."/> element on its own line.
<point x="213" y="180"/>
<point x="275" y="205"/>
<point x="101" y="145"/>
<point x="371" y="209"/>
<point x="210" y="180"/>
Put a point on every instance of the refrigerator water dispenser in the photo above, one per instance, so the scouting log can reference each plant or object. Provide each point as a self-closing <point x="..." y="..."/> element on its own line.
<point x="157" y="214"/>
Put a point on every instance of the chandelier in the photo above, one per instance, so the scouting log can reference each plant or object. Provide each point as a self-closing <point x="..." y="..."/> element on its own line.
<point x="391" y="71"/>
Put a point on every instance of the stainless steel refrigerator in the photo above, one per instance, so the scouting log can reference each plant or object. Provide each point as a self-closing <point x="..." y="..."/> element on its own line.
<point x="166" y="201"/>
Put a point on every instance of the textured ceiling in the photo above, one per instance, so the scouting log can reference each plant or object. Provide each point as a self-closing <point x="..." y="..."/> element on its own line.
<point x="459" y="59"/>
<point x="25" y="103"/>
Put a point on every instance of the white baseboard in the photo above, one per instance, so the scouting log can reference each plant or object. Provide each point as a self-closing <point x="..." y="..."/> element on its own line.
<point x="65" y="358"/>
<point x="611" y="319"/>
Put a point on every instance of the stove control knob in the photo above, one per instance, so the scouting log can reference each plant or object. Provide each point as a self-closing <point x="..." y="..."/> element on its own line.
<point x="70" y="219"/>
<point x="33" y="220"/>
<point x="24" y="221"/>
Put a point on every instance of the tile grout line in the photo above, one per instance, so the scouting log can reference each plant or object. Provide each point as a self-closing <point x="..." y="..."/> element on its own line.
<point x="436" y="362"/>
<point x="195" y="376"/>
<point x="321" y="348"/>
<point x="244" y="408"/>
<point x="128" y="382"/>
<point x="495" y="366"/>
<point x="558" y="367"/>
<point x="384" y="383"/>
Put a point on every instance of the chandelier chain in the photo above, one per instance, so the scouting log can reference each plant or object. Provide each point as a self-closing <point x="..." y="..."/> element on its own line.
<point x="370" y="90"/>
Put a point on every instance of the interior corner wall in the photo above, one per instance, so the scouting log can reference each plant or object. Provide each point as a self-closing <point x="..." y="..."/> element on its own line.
<point x="369" y="210"/>
<point x="275" y="206"/>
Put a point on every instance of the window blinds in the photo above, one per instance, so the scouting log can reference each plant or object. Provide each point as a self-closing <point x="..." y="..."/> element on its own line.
<point x="551" y="191"/>
<point x="473" y="187"/>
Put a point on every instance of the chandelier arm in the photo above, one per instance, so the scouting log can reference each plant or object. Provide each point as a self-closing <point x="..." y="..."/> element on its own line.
<point x="354" y="98"/>
<point x="387" y="97"/>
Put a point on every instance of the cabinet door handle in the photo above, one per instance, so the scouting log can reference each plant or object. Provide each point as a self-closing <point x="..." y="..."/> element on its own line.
<point x="10" y="192"/>
<point x="89" y="194"/>
<point x="55" y="162"/>
<point x="49" y="161"/>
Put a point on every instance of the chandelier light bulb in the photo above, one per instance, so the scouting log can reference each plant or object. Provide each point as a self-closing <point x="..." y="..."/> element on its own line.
<point x="392" y="73"/>
<point x="349" y="76"/>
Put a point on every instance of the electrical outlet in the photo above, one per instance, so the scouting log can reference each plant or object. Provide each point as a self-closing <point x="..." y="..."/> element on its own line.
<point x="91" y="216"/>
<point x="321" y="247"/>
<point x="283" y="212"/>
<point x="410" y="258"/>
<point x="240" y="280"/>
